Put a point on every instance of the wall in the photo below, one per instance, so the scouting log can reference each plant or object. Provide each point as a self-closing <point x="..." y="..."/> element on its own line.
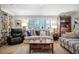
<point x="5" y="24"/>
<point x="20" y="18"/>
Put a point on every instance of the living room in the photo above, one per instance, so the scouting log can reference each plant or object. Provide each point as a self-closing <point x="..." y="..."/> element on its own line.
<point x="39" y="28"/>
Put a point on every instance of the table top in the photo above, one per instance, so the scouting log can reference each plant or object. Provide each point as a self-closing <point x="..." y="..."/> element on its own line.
<point x="38" y="37"/>
<point x="46" y="41"/>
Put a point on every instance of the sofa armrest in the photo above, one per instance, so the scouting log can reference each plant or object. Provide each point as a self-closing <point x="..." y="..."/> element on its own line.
<point x="69" y="35"/>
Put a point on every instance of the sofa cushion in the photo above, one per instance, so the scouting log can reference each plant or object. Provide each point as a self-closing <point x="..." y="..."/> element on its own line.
<point x="67" y="40"/>
<point x="37" y="33"/>
<point x="72" y="43"/>
<point x="17" y="34"/>
<point x="29" y="33"/>
<point x="76" y="46"/>
<point x="17" y="39"/>
<point x="43" y="33"/>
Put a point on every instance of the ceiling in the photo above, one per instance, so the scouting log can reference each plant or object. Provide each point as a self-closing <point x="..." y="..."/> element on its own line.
<point x="40" y="9"/>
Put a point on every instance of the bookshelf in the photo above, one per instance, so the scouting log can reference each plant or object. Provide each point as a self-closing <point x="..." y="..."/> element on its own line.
<point x="65" y="24"/>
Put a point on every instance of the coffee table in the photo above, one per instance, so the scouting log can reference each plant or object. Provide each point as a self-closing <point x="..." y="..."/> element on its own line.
<point x="40" y="43"/>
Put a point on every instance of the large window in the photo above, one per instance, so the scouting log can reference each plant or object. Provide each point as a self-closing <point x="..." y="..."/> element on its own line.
<point x="36" y="23"/>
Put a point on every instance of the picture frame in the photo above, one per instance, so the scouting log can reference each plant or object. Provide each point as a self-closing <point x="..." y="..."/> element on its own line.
<point x="18" y="23"/>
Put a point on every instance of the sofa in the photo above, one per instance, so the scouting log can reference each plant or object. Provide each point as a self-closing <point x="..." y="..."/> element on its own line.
<point x="40" y="32"/>
<point x="16" y="36"/>
<point x="70" y="41"/>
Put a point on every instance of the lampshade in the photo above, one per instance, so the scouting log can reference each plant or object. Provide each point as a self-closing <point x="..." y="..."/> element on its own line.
<point x="54" y="26"/>
<point x="24" y="24"/>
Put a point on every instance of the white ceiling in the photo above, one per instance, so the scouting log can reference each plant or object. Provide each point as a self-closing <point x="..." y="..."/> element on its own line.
<point x="39" y="9"/>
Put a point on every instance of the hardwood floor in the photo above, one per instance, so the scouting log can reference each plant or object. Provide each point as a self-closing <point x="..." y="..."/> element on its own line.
<point x="24" y="49"/>
<point x="58" y="49"/>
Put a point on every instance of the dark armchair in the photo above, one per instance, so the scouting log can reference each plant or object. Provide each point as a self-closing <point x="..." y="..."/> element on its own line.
<point x="16" y="36"/>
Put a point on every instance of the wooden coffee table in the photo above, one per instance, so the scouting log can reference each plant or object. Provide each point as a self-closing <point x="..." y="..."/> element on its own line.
<point x="40" y="43"/>
<point x="41" y="47"/>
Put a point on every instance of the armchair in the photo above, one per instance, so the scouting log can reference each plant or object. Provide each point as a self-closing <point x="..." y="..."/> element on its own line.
<point x="16" y="36"/>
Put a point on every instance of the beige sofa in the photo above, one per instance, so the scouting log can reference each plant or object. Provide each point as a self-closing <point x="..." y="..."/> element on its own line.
<point x="43" y="32"/>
